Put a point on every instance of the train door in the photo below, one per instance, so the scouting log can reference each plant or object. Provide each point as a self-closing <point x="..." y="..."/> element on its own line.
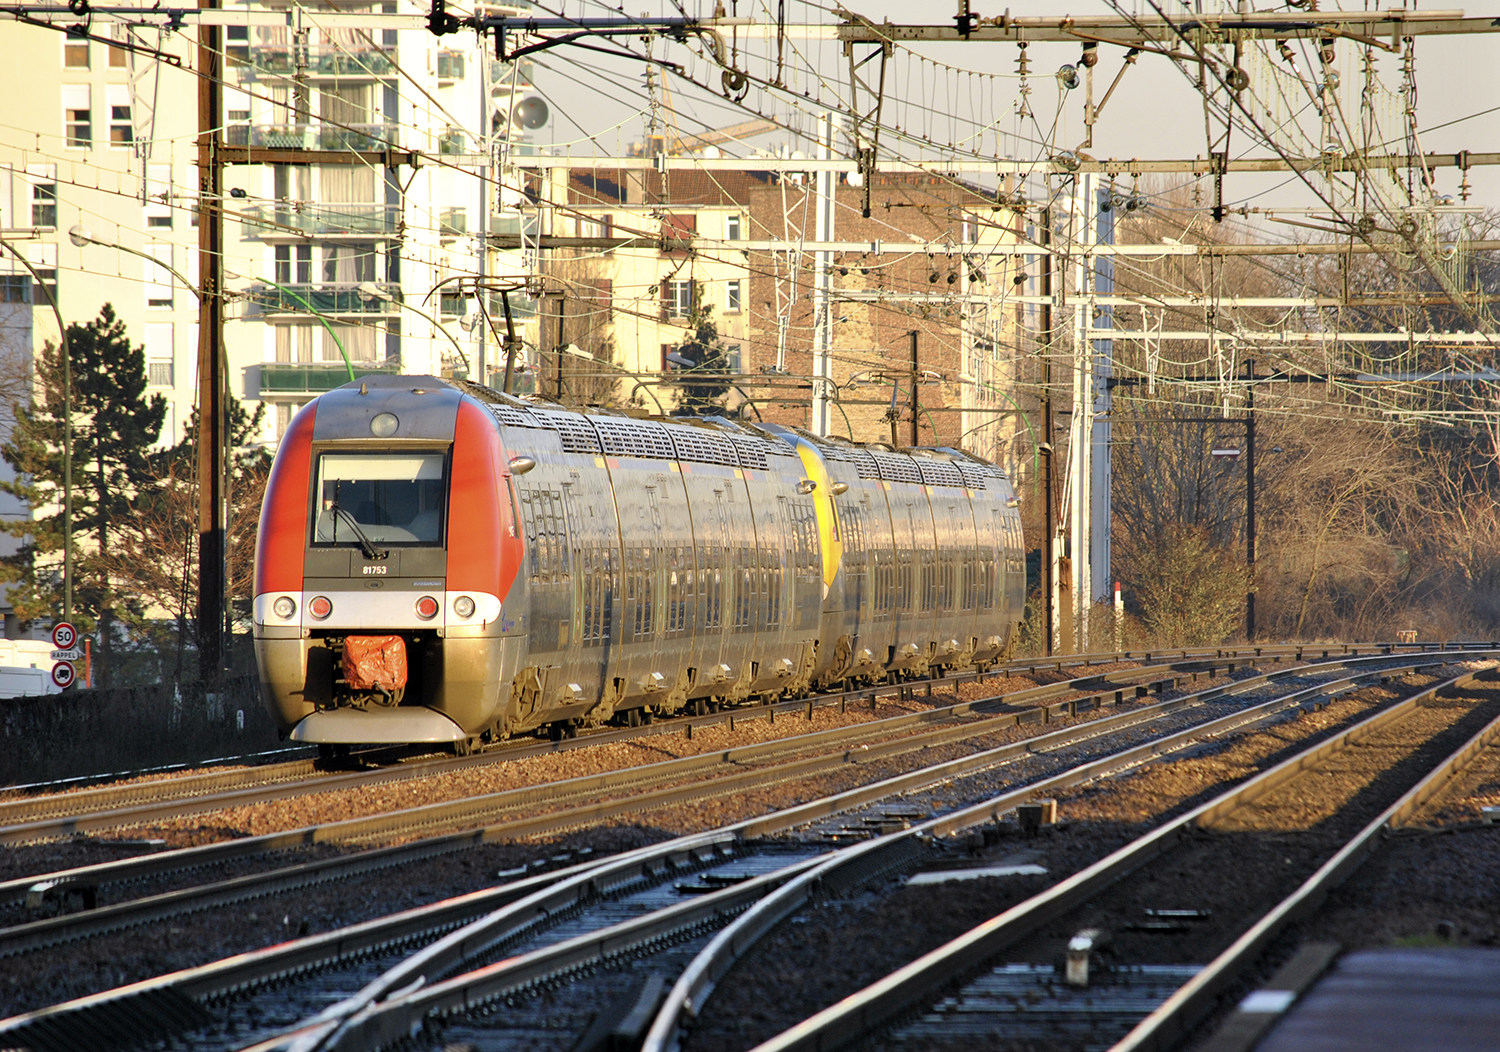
<point x="584" y="663"/>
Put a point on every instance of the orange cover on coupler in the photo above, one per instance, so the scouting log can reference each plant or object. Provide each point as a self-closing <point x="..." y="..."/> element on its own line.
<point x="375" y="663"/>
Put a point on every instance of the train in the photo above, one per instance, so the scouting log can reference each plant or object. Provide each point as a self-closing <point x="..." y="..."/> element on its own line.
<point x="440" y="562"/>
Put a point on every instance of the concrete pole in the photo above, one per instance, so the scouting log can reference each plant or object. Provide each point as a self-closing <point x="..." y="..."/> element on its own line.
<point x="1081" y="433"/>
<point x="822" y="299"/>
<point x="1103" y="270"/>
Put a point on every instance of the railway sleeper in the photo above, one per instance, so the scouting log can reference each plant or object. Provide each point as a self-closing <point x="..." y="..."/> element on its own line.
<point x="64" y="895"/>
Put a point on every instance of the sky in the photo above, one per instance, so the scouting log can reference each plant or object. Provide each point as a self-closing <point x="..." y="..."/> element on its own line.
<point x="967" y="93"/>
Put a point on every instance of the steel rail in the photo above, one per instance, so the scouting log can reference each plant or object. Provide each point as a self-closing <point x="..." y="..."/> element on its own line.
<point x="310" y="952"/>
<point x="167" y="861"/>
<point x="373" y="1022"/>
<point x="905" y="988"/>
<point x="89" y="810"/>
<point x="1192" y="1002"/>
<point x="53" y="930"/>
<point x="57" y="815"/>
<point x="100" y="807"/>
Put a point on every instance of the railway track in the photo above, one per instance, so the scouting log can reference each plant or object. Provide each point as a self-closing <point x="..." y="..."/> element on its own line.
<point x="486" y="819"/>
<point x="302" y="955"/>
<point x="458" y="824"/>
<point x="1152" y="957"/>
<point x="42" y="811"/>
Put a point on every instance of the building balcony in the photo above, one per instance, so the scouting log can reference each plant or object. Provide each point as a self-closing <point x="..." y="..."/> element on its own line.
<point x="282" y="220"/>
<point x="304" y="379"/>
<point x="314" y="136"/>
<point x="326" y="298"/>
<point x="343" y="62"/>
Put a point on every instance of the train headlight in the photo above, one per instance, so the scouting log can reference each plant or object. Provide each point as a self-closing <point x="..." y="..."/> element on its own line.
<point x="320" y="607"/>
<point x="285" y="606"/>
<point x="427" y="608"/>
<point x="383" y="425"/>
<point x="463" y="606"/>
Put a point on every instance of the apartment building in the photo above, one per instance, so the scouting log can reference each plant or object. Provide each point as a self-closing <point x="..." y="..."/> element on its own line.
<point x="631" y="299"/>
<point x="353" y="242"/>
<point x="345" y="255"/>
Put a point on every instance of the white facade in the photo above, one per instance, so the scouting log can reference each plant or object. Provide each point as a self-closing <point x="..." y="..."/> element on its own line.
<point x="371" y="261"/>
<point x="319" y="254"/>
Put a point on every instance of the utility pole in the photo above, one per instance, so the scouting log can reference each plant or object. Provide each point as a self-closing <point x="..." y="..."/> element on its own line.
<point x="1049" y="505"/>
<point x="485" y="158"/>
<point x="213" y="488"/>
<point x="823" y="287"/>
<point x="1250" y="499"/>
<point x="557" y="346"/>
<point x="1081" y="431"/>
<point x="915" y="376"/>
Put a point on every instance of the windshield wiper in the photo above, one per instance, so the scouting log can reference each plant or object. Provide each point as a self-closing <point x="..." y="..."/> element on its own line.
<point x="371" y="552"/>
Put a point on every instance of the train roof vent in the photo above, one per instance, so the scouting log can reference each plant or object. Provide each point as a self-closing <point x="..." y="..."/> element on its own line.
<point x="974" y="478"/>
<point x="896" y="467"/>
<point x="512" y="415"/>
<point x="754" y="450"/>
<point x="864" y="464"/>
<point x="622" y="437"/>
<point x="938" y="472"/>
<point x="574" y="430"/>
<point x="702" y="446"/>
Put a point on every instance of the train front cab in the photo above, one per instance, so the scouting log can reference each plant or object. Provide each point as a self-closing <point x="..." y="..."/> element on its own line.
<point x="388" y="517"/>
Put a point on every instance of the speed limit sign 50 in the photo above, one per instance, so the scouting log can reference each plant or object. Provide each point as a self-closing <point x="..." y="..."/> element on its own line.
<point x="64" y="635"/>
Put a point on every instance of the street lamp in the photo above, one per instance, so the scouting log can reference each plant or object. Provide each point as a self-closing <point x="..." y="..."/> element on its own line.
<point x="80" y="235"/>
<point x="67" y="432"/>
<point x="576" y="352"/>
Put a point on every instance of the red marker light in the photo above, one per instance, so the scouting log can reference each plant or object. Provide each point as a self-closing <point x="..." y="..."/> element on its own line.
<point x="320" y="607"/>
<point x="427" y="608"/>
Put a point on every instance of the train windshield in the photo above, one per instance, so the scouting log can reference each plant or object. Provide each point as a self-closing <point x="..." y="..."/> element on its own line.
<point x="381" y="498"/>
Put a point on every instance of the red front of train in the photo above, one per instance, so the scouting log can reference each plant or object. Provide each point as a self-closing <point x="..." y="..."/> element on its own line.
<point x="387" y="603"/>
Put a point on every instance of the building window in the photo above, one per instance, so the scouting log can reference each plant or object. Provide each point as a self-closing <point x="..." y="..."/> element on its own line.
<point x="159" y="353"/>
<point x="119" y="58"/>
<point x="159" y="196"/>
<point x="158" y="277"/>
<point x="679" y="299"/>
<point x="677" y="232"/>
<point x="78" y="118"/>
<point x="43" y="260"/>
<point x="237" y="44"/>
<point x="294" y="342"/>
<point x="43" y="196"/>
<point x="294" y="264"/>
<point x="731" y="228"/>
<point x="732" y="297"/>
<point x="121" y="131"/>
<point x="349" y="264"/>
<point x="15" y="288"/>
<point x="75" y="52"/>
<point x="453" y="223"/>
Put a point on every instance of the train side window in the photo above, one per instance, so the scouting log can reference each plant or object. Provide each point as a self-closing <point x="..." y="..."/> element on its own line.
<point x="648" y="590"/>
<point x="528" y="528"/>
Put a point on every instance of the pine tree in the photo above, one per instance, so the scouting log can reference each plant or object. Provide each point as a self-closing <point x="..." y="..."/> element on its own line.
<point x="114" y="425"/>
<point x="705" y="380"/>
<point x="161" y="558"/>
